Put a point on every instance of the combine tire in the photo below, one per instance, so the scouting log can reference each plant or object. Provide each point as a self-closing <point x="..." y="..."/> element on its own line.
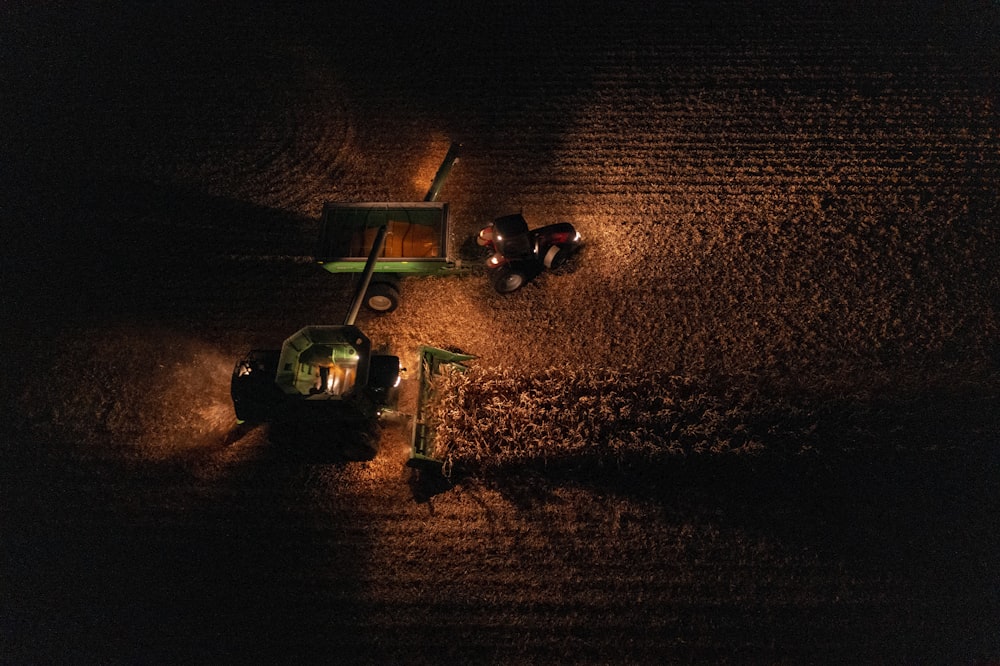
<point x="382" y="297"/>
<point x="507" y="279"/>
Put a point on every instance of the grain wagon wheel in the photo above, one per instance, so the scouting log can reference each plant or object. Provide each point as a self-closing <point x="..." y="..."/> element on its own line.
<point x="382" y="297"/>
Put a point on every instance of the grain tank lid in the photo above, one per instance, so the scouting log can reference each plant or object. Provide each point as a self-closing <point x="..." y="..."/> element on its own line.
<point x="314" y="342"/>
<point x="314" y="347"/>
<point x="324" y="336"/>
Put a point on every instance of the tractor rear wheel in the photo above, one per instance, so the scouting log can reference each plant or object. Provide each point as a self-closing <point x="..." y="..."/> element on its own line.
<point x="555" y="257"/>
<point x="507" y="279"/>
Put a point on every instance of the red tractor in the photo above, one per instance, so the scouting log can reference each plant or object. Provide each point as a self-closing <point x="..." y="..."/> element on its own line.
<point x="520" y="254"/>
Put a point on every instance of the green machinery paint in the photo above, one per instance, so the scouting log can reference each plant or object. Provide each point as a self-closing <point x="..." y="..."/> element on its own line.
<point x="418" y="235"/>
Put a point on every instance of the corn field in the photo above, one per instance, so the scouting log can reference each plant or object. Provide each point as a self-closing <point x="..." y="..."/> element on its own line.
<point x="755" y="421"/>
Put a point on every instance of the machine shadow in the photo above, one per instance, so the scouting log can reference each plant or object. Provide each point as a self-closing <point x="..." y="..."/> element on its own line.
<point x="912" y="506"/>
<point x="125" y="247"/>
<point x="126" y="562"/>
<point x="341" y="445"/>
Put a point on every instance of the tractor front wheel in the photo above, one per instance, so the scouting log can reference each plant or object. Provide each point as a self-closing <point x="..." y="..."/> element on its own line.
<point x="507" y="279"/>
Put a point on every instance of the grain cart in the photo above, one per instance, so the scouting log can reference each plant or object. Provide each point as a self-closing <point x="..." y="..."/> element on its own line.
<point x="326" y="380"/>
<point x="416" y="242"/>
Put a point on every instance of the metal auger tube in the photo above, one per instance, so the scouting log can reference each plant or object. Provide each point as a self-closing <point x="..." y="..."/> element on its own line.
<point x="366" y="275"/>
<point x="442" y="173"/>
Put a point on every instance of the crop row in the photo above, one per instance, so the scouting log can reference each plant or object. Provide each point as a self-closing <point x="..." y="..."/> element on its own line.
<point x="493" y="418"/>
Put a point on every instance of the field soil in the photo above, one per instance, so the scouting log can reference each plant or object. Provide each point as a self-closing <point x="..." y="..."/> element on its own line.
<point x="755" y="420"/>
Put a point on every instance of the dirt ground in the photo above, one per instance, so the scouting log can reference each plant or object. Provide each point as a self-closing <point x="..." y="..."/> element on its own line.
<point x="790" y="222"/>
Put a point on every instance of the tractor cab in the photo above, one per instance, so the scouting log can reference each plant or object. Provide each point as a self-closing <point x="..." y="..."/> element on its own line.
<point x="509" y="237"/>
<point x="520" y="254"/>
